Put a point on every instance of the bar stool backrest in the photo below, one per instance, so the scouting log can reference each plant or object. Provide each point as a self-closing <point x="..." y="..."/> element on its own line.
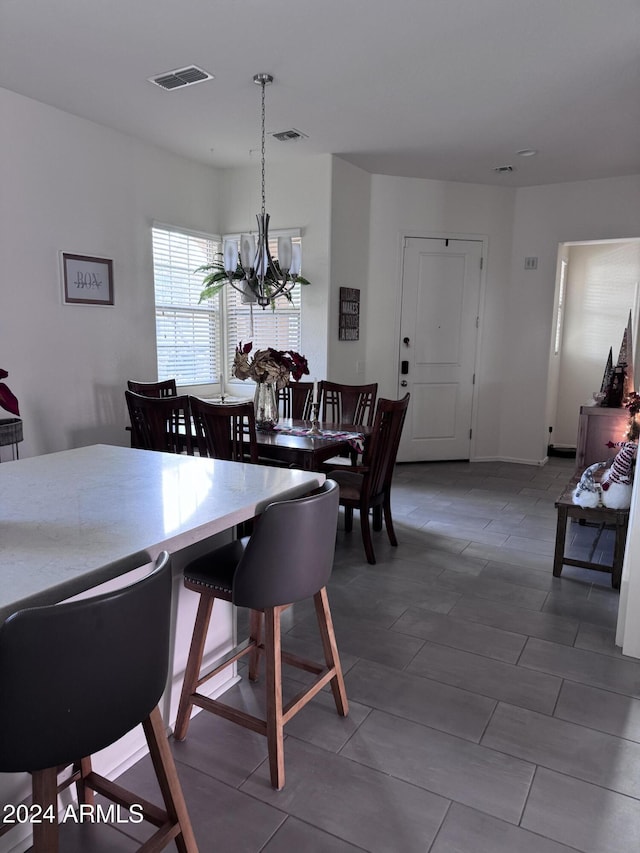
<point x="78" y="676"/>
<point x="289" y="556"/>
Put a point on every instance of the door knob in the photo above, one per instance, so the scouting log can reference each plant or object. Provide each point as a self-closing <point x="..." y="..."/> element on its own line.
<point x="405" y="341"/>
<point x="404" y="383"/>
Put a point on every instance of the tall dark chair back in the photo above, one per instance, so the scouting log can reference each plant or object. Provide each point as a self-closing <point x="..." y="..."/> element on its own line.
<point x="165" y="388"/>
<point x="383" y="445"/>
<point x="368" y="487"/>
<point x="160" y="423"/>
<point x="348" y="404"/>
<point x="75" y="678"/>
<point x="224" y="431"/>
<point x="295" y="400"/>
<point x="273" y="570"/>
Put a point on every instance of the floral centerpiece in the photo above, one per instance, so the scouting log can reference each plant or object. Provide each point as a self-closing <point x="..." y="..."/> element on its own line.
<point x="271" y="370"/>
<point x="8" y="400"/>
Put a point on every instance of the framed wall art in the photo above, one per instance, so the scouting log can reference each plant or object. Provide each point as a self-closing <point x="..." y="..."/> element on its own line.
<point x="87" y="280"/>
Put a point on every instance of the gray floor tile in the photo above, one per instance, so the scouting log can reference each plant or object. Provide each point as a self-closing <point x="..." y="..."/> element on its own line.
<point x="364" y="807"/>
<point x="509" y="555"/>
<point x="487" y="677"/>
<point x="485" y="587"/>
<point x="583" y="611"/>
<point x="546" y="626"/>
<point x="599" y="709"/>
<point x="597" y="670"/>
<point x="466" y="830"/>
<point x="461" y="634"/>
<point x="581" y="815"/>
<point x="294" y="836"/>
<point x="419" y="699"/>
<point x="462" y="771"/>
<point x="594" y="638"/>
<point x="569" y="748"/>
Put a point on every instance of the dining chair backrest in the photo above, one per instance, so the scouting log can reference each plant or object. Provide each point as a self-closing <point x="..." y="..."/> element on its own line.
<point x="382" y="446"/>
<point x="295" y="400"/>
<point x="348" y="404"/>
<point x="225" y="431"/>
<point x="166" y="388"/>
<point x="289" y="556"/>
<point x="78" y="676"/>
<point x="160" y="423"/>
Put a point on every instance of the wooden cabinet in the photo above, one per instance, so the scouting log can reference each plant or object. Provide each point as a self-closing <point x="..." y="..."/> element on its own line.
<point x="597" y="426"/>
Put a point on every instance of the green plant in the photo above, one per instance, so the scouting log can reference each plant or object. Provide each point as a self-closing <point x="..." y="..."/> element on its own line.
<point x="216" y="278"/>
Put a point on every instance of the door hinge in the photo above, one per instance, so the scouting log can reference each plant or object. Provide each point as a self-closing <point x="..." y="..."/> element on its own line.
<point x="470" y="433"/>
<point x="481" y="262"/>
<point x="473" y="381"/>
<point x="478" y="322"/>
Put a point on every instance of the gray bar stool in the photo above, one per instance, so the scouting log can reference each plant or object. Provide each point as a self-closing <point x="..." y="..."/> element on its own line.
<point x="75" y="678"/>
<point x="288" y="558"/>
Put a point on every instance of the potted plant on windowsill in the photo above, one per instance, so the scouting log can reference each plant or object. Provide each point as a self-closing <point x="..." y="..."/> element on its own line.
<point x="10" y="428"/>
<point x="216" y="278"/>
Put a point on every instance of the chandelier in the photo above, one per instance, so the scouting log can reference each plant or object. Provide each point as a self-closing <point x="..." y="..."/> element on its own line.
<point x="252" y="270"/>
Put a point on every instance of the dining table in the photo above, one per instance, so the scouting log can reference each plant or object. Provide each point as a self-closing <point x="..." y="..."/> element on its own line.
<point x="292" y="443"/>
<point x="87" y="519"/>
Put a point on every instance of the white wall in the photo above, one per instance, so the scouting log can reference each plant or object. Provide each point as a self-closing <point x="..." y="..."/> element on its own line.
<point x="72" y="185"/>
<point x="298" y="195"/>
<point x="402" y="206"/>
<point x="545" y="217"/>
<point x="350" y="212"/>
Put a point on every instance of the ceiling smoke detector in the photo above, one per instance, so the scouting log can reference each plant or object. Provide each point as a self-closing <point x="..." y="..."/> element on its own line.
<point x="181" y="77"/>
<point x="501" y="169"/>
<point x="289" y="135"/>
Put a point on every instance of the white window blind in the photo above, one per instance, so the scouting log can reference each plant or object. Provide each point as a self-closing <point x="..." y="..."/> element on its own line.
<point x="187" y="333"/>
<point x="279" y="329"/>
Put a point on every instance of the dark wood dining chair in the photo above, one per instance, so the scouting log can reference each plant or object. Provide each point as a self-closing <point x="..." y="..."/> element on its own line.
<point x="78" y="676"/>
<point x="348" y="404"/>
<point x="288" y="558"/>
<point x="295" y="400"/>
<point x="160" y="423"/>
<point x="224" y="431"/>
<point x="165" y="388"/>
<point x="367" y="488"/>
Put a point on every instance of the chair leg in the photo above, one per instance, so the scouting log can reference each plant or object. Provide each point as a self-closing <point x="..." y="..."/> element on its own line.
<point x="275" y="725"/>
<point x="330" y="647"/>
<point x="194" y="664"/>
<point x="348" y="519"/>
<point x="377" y="518"/>
<point x="86" y="795"/>
<point x="388" y="521"/>
<point x="44" y="785"/>
<point x="366" y="535"/>
<point x="255" y="634"/>
<point x="168" y="781"/>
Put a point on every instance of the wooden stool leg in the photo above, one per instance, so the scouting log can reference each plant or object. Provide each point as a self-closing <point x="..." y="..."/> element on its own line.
<point x="168" y="781"/>
<point x="45" y="793"/>
<point x="255" y="633"/>
<point x="561" y="533"/>
<point x="194" y="664"/>
<point x="330" y="647"/>
<point x="85" y="793"/>
<point x="275" y="725"/>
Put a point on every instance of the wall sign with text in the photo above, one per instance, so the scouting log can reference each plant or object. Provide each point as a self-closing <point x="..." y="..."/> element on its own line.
<point x="349" y="325"/>
<point x="87" y="280"/>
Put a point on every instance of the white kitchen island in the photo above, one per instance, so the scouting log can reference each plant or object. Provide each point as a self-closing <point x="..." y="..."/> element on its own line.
<point x="73" y="520"/>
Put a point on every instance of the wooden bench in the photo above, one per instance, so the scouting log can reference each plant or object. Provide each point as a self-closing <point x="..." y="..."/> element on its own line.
<point x="600" y="516"/>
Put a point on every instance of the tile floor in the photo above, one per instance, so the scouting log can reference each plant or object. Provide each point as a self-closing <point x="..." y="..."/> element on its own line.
<point x="490" y="711"/>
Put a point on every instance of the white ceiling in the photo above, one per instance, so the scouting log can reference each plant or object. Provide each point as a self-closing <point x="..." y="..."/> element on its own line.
<point x="445" y="89"/>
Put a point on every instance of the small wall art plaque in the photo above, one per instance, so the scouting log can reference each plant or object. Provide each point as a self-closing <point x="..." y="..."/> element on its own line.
<point x="87" y="280"/>
<point x="349" y="322"/>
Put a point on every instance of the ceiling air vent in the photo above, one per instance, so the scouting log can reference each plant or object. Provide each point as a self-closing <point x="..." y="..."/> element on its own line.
<point x="289" y="135"/>
<point x="181" y="77"/>
<point x="504" y="169"/>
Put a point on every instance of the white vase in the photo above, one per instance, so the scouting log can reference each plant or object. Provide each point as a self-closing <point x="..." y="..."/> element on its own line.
<point x="265" y="403"/>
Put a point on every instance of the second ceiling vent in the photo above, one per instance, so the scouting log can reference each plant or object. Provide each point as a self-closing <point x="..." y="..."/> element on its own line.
<point x="181" y="77"/>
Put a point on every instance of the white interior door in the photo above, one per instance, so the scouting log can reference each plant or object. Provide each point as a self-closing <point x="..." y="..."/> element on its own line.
<point x="438" y="340"/>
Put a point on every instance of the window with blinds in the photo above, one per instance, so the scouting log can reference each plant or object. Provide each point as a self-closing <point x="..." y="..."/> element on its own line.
<point x="188" y="334"/>
<point x="279" y="329"/>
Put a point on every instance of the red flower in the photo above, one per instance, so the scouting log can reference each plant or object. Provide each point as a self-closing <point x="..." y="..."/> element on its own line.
<point x="7" y="400"/>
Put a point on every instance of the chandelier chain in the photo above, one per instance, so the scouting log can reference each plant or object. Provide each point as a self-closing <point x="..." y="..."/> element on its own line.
<point x="262" y="150"/>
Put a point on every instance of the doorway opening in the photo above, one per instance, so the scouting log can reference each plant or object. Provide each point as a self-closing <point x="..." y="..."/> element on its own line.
<point x="597" y="287"/>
